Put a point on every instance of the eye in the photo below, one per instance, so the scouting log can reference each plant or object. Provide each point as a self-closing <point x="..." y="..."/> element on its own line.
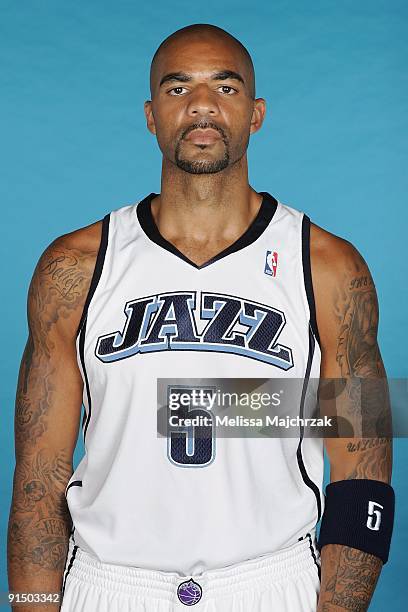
<point x="227" y="89"/>
<point x="177" y="91"/>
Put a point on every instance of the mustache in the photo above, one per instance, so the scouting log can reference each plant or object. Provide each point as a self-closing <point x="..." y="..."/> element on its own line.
<point x="204" y="124"/>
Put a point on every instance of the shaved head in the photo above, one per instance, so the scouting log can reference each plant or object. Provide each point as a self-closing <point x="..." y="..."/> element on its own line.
<point x="203" y="107"/>
<point x="202" y="32"/>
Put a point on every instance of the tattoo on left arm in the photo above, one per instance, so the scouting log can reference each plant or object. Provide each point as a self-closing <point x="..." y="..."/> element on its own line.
<point x="349" y="576"/>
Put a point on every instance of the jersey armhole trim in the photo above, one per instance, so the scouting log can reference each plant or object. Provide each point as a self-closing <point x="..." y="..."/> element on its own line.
<point x="307" y="275"/>
<point x="100" y="259"/>
<point x="74" y="483"/>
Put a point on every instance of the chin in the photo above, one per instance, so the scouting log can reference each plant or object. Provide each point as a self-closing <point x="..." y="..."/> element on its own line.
<point x="202" y="166"/>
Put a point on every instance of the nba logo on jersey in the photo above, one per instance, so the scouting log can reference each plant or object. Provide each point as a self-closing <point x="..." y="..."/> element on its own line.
<point x="271" y="263"/>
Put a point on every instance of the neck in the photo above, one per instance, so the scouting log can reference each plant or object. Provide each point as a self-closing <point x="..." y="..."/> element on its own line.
<point x="205" y="206"/>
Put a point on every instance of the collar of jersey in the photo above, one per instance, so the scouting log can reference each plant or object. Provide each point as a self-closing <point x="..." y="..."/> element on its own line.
<point x="264" y="216"/>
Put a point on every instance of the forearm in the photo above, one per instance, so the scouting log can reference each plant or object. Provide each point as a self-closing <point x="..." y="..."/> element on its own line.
<point x="349" y="577"/>
<point x="39" y="527"/>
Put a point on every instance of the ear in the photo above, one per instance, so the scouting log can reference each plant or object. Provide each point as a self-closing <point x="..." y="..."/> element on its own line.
<point x="258" y="115"/>
<point x="149" y="116"/>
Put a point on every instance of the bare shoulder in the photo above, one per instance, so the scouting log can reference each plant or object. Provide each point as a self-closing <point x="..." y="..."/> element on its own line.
<point x="61" y="280"/>
<point x="345" y="299"/>
<point x="335" y="260"/>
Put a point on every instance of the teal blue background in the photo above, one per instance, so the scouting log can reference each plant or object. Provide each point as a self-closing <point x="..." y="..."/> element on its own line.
<point x="74" y="145"/>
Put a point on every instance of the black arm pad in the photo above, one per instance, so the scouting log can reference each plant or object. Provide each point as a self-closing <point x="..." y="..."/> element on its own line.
<point x="360" y="514"/>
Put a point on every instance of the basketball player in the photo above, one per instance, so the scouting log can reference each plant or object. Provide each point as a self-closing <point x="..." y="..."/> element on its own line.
<point x="207" y="279"/>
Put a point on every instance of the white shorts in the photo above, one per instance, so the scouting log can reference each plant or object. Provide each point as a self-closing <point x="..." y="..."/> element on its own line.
<point x="284" y="581"/>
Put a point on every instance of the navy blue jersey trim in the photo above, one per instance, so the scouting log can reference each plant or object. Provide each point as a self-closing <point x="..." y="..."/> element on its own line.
<point x="71" y="561"/>
<point x="259" y="224"/>
<point x="307" y="275"/>
<point x="74" y="483"/>
<point x="83" y="419"/>
<point x="72" y="533"/>
<point x="100" y="258"/>
<point x="87" y="415"/>
<point x="307" y="480"/>
<point x="312" y="550"/>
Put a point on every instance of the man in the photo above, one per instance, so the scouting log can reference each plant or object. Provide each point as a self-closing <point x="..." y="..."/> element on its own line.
<point x="207" y="279"/>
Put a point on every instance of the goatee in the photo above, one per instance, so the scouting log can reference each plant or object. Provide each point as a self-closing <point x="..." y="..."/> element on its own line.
<point x="202" y="166"/>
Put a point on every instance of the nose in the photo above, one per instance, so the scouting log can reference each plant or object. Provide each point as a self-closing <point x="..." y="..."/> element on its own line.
<point x="202" y="102"/>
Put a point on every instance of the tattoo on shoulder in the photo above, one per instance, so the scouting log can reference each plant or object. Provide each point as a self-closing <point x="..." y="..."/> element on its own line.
<point x="61" y="280"/>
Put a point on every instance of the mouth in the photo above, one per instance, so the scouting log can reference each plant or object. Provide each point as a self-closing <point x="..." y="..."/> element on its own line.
<point x="203" y="136"/>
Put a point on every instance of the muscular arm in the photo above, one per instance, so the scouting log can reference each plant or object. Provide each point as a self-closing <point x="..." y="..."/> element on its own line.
<point x="347" y="316"/>
<point x="47" y="413"/>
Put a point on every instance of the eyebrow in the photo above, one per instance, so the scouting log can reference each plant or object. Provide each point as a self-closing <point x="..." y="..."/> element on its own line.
<point x="185" y="78"/>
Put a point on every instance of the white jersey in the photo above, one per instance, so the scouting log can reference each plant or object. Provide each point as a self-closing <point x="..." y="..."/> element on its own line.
<point x="140" y="499"/>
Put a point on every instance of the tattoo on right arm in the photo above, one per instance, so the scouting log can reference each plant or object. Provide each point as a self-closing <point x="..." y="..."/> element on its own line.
<point x="59" y="286"/>
<point x="39" y="521"/>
